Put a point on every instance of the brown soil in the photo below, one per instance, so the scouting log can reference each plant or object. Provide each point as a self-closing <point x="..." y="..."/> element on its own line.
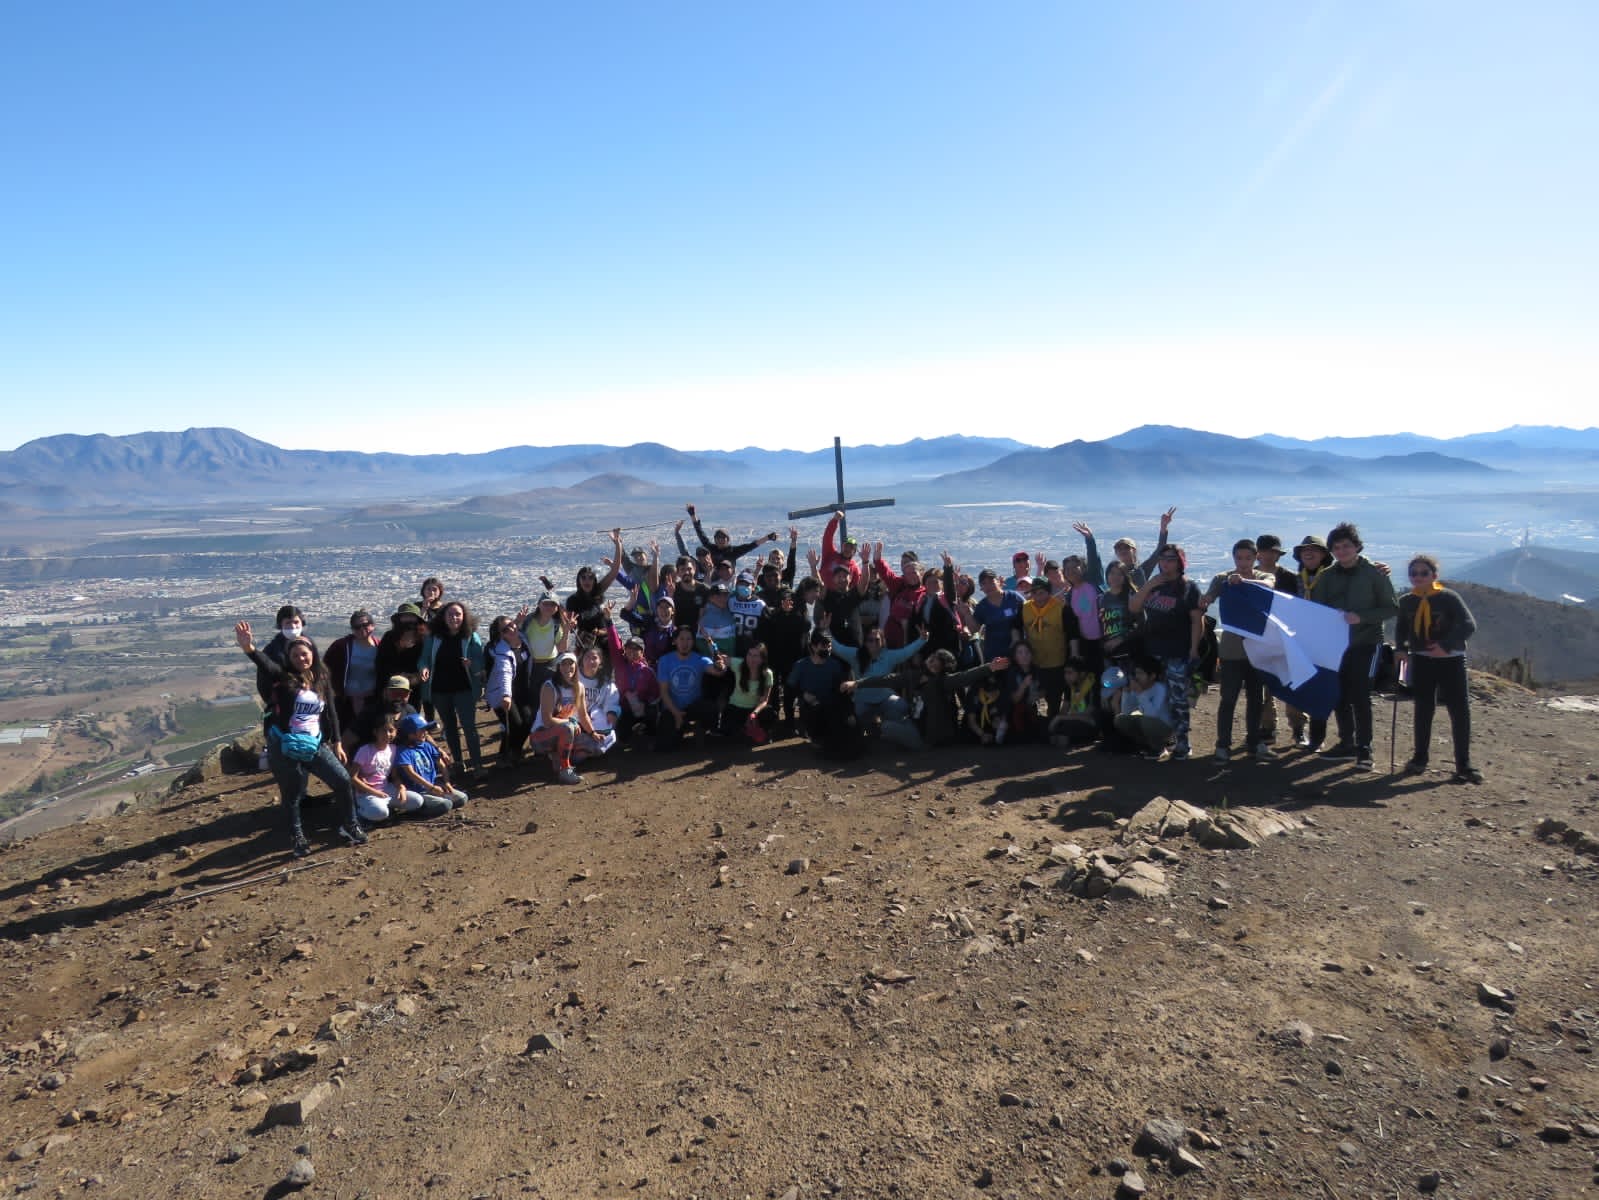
<point x="919" y="1011"/>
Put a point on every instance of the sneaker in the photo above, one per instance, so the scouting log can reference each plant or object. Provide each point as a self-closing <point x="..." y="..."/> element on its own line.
<point x="1179" y="752"/>
<point x="1363" y="760"/>
<point x="1263" y="752"/>
<point x="302" y="848"/>
<point x="352" y="832"/>
<point x="1467" y="775"/>
<point x="1416" y="766"/>
<point x="568" y="776"/>
<point x="1302" y="740"/>
<point x="1339" y="750"/>
<point x="1223" y="756"/>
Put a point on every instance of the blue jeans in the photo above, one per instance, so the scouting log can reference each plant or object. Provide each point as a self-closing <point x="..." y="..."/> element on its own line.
<point x="292" y="777"/>
<point x="457" y="711"/>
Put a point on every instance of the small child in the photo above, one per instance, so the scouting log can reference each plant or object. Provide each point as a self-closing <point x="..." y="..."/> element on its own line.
<point x="420" y="765"/>
<point x="1024" y="688"/>
<point x="377" y="796"/>
<point x="986" y="718"/>
<point x="1077" y="723"/>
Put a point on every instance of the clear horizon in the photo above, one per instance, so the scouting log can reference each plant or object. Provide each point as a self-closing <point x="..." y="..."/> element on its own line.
<point x="555" y="226"/>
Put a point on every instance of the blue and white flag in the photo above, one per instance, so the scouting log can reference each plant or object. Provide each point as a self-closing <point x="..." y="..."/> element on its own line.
<point x="1295" y="644"/>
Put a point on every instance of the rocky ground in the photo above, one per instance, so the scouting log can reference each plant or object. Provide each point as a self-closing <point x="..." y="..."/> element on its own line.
<point x="999" y="974"/>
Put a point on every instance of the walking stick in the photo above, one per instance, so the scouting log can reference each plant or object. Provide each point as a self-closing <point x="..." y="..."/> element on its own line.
<point x="1393" y="734"/>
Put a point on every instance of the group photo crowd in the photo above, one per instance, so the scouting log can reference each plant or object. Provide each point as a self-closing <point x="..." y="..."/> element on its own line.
<point x="739" y="644"/>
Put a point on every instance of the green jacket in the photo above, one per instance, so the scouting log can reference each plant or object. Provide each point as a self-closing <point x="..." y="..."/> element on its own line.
<point x="1363" y="590"/>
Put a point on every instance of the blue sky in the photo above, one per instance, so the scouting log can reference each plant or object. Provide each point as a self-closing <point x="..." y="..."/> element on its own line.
<point x="408" y="226"/>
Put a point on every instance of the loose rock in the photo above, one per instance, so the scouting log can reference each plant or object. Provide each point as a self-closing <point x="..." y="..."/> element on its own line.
<point x="300" y="1175"/>
<point x="1161" y="1137"/>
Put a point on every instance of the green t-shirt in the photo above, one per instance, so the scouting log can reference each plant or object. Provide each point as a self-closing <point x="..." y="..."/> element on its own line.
<point x="747" y="698"/>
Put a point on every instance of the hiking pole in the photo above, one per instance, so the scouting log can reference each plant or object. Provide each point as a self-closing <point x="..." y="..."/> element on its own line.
<point x="1393" y="734"/>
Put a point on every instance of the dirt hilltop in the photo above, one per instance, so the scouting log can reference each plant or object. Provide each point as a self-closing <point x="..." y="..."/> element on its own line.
<point x="962" y="974"/>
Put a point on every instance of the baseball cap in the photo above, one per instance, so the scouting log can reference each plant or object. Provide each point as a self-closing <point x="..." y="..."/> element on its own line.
<point x="399" y="683"/>
<point x="416" y="723"/>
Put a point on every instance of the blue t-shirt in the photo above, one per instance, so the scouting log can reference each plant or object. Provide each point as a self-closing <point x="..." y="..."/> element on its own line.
<point x="998" y="618"/>
<point x="423" y="758"/>
<point x="682" y="676"/>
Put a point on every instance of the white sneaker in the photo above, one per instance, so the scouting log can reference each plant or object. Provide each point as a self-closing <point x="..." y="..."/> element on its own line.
<point x="1263" y="752"/>
<point x="568" y="776"/>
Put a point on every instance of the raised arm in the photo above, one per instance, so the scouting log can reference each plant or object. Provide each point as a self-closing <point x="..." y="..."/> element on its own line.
<point x="616" y="563"/>
<point x="1150" y="563"/>
<point x="242" y="635"/>
<point x="699" y="530"/>
<point x="1093" y="566"/>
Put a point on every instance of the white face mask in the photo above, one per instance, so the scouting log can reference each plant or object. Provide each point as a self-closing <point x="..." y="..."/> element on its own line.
<point x="290" y="629"/>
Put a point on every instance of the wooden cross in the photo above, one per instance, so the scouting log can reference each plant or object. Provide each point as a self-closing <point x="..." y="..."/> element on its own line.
<point x="840" y="504"/>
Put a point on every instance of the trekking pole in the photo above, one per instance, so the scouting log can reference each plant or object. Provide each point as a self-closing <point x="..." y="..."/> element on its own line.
<point x="1393" y="734"/>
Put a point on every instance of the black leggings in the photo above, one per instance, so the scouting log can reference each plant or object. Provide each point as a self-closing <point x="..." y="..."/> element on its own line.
<point x="1441" y="679"/>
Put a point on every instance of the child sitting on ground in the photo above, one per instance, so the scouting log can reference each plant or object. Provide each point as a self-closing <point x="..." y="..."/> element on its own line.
<point x="986" y="718"/>
<point x="1077" y="724"/>
<point x="420" y="766"/>
<point x="377" y="796"/>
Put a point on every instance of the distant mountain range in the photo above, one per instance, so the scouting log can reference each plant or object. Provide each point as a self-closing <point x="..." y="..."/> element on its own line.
<point x="203" y="466"/>
<point x="1214" y="461"/>
<point x="197" y="466"/>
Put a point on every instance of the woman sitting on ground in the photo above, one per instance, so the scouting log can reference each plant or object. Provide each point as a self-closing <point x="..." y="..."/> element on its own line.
<point x="603" y="698"/>
<point x="563" y="717"/>
<point x="748" y="713"/>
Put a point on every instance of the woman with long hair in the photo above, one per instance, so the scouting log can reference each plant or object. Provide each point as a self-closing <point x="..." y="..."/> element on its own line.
<point x="587" y="602"/>
<point x="303" y="735"/>
<point x="452" y="673"/>
<point x="602" y="697"/>
<point x="749" y="712"/>
<point x="1118" y="623"/>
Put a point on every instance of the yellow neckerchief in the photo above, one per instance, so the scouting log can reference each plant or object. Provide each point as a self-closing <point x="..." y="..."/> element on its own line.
<point x="985" y="704"/>
<point x="1422" y="623"/>
<point x="1037" y="619"/>
<point x="1307" y="579"/>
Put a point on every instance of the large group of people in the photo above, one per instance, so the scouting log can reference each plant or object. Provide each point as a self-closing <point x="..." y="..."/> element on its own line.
<point x="724" y="644"/>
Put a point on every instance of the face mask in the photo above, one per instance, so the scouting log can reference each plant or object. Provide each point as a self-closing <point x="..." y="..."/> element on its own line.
<point x="290" y="629"/>
<point x="742" y="591"/>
